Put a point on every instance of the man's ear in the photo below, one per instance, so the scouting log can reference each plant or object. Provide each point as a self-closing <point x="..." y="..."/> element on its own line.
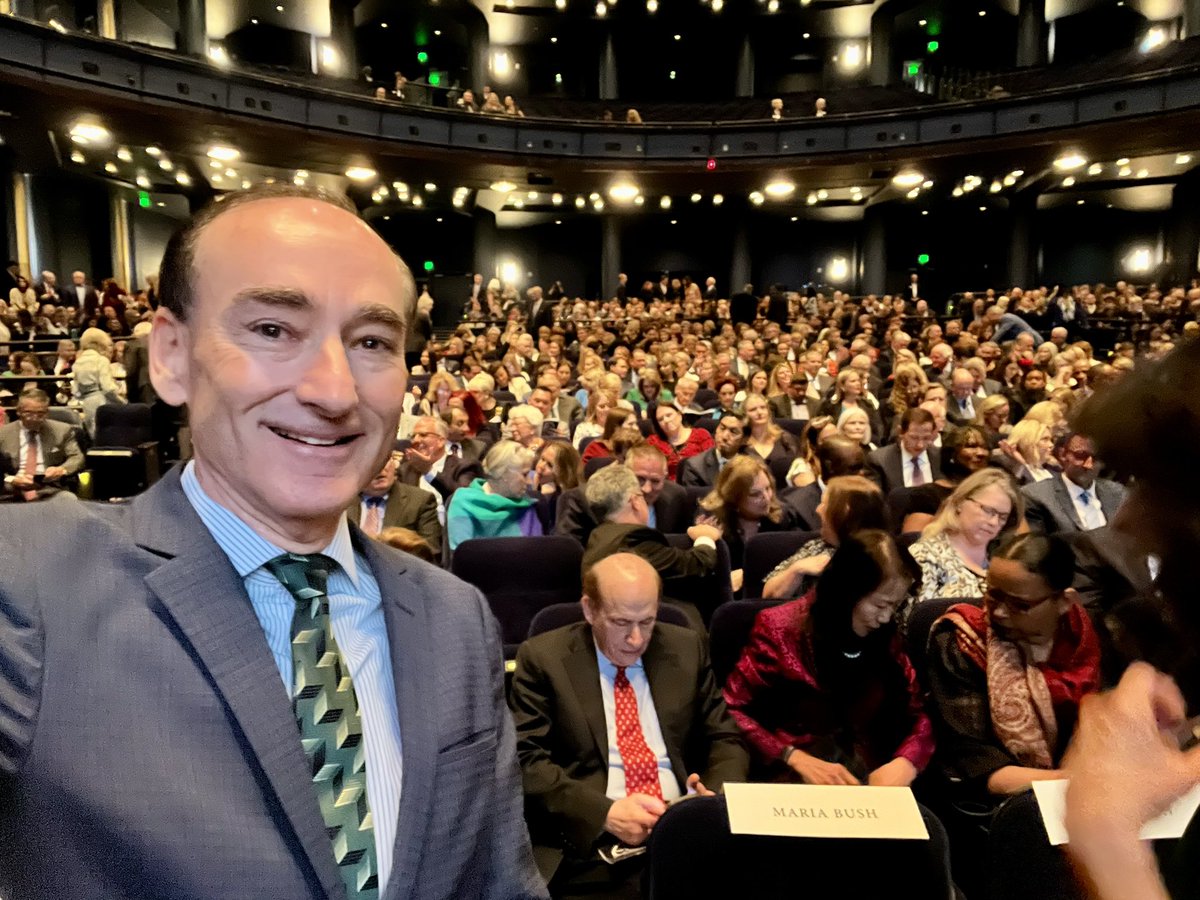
<point x="588" y="612"/>
<point x="170" y="357"/>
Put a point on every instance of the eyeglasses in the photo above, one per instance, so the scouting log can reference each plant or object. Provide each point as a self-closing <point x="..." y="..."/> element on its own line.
<point x="1015" y="605"/>
<point x="990" y="512"/>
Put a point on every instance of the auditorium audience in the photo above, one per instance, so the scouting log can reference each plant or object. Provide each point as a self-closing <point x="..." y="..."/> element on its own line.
<point x="728" y="441"/>
<point x="824" y="691"/>
<point x="743" y="504"/>
<point x="767" y="441"/>
<point x="1077" y="499"/>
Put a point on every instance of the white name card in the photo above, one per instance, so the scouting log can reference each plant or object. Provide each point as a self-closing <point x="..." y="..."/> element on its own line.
<point x="824" y="811"/>
<point x="1052" y="801"/>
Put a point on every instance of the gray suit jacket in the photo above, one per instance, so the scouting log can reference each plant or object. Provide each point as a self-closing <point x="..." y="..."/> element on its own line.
<point x="407" y="507"/>
<point x="148" y="748"/>
<point x="1048" y="506"/>
<point x="59" y="447"/>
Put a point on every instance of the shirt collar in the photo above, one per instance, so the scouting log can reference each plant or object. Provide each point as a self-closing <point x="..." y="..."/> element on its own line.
<point x="1075" y="490"/>
<point x="608" y="667"/>
<point x="246" y="549"/>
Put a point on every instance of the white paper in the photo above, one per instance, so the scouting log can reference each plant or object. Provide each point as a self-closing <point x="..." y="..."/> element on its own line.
<point x="828" y="811"/>
<point x="1052" y="800"/>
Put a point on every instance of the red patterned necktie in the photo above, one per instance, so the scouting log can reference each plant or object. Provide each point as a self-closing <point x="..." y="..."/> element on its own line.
<point x="373" y="523"/>
<point x="641" y="765"/>
<point x="31" y="454"/>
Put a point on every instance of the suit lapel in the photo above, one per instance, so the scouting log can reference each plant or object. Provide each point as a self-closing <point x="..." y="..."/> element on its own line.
<point x="203" y="595"/>
<point x="396" y="509"/>
<point x="584" y="671"/>
<point x="1066" y="503"/>
<point x="662" y="667"/>
<point x="896" y="463"/>
<point x="407" y="618"/>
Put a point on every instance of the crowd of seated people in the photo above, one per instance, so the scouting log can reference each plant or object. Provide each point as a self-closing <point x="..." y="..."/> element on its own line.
<point x="933" y="500"/>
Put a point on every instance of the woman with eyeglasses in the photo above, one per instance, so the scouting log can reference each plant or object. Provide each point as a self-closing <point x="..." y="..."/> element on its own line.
<point x="1007" y="677"/>
<point x="953" y="549"/>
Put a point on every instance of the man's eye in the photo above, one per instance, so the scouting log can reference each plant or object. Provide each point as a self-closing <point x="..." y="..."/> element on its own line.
<point x="269" y="329"/>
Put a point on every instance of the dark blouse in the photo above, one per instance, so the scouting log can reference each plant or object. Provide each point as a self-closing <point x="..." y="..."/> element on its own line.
<point x="780" y="459"/>
<point x="777" y="699"/>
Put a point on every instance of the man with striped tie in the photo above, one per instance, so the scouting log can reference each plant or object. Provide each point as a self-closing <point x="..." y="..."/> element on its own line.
<point x="230" y="692"/>
<point x="616" y="716"/>
<point x="386" y="503"/>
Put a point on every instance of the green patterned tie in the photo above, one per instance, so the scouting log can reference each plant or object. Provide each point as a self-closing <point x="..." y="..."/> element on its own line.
<point x="330" y="728"/>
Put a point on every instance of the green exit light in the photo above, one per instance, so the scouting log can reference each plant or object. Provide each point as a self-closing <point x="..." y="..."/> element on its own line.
<point x="932" y="46"/>
<point x="429" y="265"/>
<point x="143" y="200"/>
<point x="435" y="78"/>
<point x="914" y="69"/>
<point x="923" y="259"/>
<point x="422" y="57"/>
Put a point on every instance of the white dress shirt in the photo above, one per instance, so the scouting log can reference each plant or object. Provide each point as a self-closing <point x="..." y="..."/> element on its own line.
<point x="906" y="467"/>
<point x="966" y="408"/>
<point x="23" y="446"/>
<point x="1091" y="513"/>
<point x="651" y="730"/>
<point x="425" y="483"/>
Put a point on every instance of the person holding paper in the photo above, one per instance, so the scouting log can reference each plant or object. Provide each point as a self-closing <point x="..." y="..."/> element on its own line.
<point x="616" y="717"/>
<point x="824" y="692"/>
<point x="1007" y="678"/>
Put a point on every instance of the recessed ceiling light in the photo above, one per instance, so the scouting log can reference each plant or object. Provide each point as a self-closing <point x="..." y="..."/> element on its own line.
<point x="224" y="154"/>
<point x="664" y="202"/>
<point x="623" y="191"/>
<point x="695" y="198"/>
<point x="795" y="218"/>
<point x="922" y="23"/>
<point x="957" y="192"/>
<point x="124" y="155"/>
<point x="924" y="212"/>
<point x="913" y="194"/>
<point x="1079" y="203"/>
<point x="579" y="202"/>
<point x="806" y="35"/>
<point x="1183" y="159"/>
<point x="679" y="37"/>
<point x="597" y="205"/>
<point x="110" y="168"/>
<point x="1124" y="171"/>
<point x="780" y="189"/>
<point x="996" y="187"/>
<point x="983" y="209"/>
<point x="77" y="157"/>
<point x="822" y="194"/>
<point x="439" y="218"/>
<point x="245" y="184"/>
<point x="418" y="200"/>
<point x="503" y="187"/>
<point x="154" y="150"/>
<point x="772" y="6"/>
<point x="278" y="9"/>
<point x="90" y="133"/>
<point x="652" y="6"/>
<point x="1070" y="161"/>
<point x="601" y="9"/>
<point x="560" y="4"/>
<point x="142" y="181"/>
<point x="554" y="40"/>
<point x="674" y="221"/>
<point x="183" y="178"/>
<point x="1143" y="173"/>
<point x="1123" y="161"/>
<point x="1095" y="169"/>
<point x="718" y="199"/>
<point x="430" y="187"/>
<point x="639" y="200"/>
<point x="983" y="12"/>
<point x="907" y="179"/>
<point x="718" y="5"/>
<point x="218" y="178"/>
<point x="1069" y="181"/>
<point x="230" y="173"/>
<point x="437" y="32"/>
<point x="383" y="24"/>
<point x="812" y="198"/>
<point x="255" y="22"/>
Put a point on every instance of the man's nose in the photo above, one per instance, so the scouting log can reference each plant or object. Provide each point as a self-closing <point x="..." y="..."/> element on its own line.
<point x="328" y="381"/>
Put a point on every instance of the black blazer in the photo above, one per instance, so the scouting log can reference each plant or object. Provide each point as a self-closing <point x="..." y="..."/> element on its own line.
<point x="672" y="513"/>
<point x="801" y="504"/>
<point x="455" y="473"/>
<point x="886" y="466"/>
<point x="562" y="737"/>
<point x="700" y="470"/>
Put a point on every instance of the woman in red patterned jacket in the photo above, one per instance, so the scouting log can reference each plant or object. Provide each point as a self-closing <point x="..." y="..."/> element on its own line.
<point x="824" y="692"/>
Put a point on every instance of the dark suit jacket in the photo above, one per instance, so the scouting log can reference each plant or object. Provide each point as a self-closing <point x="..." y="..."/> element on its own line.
<point x="886" y="466"/>
<point x="671" y="563"/>
<point x="455" y="473"/>
<point x="1048" y="506"/>
<point x="59" y="447"/>
<point x="563" y="739"/>
<point x="801" y="504"/>
<point x="164" y="761"/>
<point x="781" y="406"/>
<point x="473" y="449"/>
<point x="408" y="506"/>
<point x="540" y="315"/>
<point x="672" y="512"/>
<point x="137" y="372"/>
<point x="700" y="470"/>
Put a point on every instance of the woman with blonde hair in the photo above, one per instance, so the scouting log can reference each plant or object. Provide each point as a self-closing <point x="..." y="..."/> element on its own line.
<point x="991" y="414"/>
<point x="770" y="443"/>
<point x="592" y="426"/>
<point x="497" y="505"/>
<point x="953" y="549"/>
<point x="436" y="401"/>
<point x="854" y="424"/>
<point x="93" y="384"/>
<point x="1030" y="445"/>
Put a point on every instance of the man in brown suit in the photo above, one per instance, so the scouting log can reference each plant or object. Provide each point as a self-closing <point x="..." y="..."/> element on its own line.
<point x="50" y="446"/>
<point x="385" y="503"/>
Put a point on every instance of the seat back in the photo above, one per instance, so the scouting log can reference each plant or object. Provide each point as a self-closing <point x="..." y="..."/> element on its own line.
<point x="126" y="425"/>
<point x="521" y="575"/>
<point x="706" y="592"/>
<point x="706" y="398"/>
<point x="562" y="614"/>
<point x="765" y="551"/>
<point x="698" y="829"/>
<point x="920" y="623"/>
<point x="728" y="632"/>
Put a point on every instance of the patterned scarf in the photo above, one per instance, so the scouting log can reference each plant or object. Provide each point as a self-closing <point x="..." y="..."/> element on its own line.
<point x="1022" y="695"/>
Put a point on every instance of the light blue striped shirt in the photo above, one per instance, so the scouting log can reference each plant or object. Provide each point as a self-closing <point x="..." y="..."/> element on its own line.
<point x="356" y="615"/>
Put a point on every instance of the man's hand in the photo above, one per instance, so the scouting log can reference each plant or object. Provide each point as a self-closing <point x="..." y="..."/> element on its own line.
<point x="421" y="462"/>
<point x="631" y="818"/>
<point x="53" y="473"/>
<point x="22" y="481"/>
<point x="817" y="771"/>
<point x="736" y="577"/>
<point x="898" y="773"/>
<point x="696" y="786"/>
<point x="704" y="530"/>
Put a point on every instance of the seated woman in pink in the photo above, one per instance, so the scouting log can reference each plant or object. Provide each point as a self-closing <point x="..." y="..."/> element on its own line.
<point x="824" y="693"/>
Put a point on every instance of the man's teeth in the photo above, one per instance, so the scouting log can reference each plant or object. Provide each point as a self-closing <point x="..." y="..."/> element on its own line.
<point x="311" y="441"/>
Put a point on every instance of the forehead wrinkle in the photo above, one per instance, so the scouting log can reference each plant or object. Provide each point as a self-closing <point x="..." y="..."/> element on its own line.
<point x="274" y="295"/>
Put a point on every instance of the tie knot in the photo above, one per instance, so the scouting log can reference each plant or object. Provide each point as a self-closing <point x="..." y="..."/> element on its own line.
<point x="621" y="680"/>
<point x="305" y="576"/>
<point x="1085" y="497"/>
